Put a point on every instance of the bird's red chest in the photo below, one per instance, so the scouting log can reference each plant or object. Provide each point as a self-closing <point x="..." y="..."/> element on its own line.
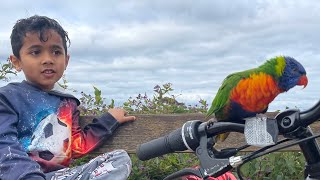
<point x="256" y="92"/>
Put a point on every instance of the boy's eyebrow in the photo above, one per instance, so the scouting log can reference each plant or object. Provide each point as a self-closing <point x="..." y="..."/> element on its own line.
<point x="52" y="46"/>
<point x="34" y="46"/>
<point x="57" y="46"/>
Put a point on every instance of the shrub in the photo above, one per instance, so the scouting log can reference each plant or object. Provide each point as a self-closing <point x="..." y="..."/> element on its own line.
<point x="162" y="102"/>
<point x="6" y="69"/>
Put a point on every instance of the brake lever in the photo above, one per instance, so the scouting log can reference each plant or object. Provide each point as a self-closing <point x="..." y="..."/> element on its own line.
<point x="213" y="163"/>
<point x="210" y="164"/>
<point x="215" y="157"/>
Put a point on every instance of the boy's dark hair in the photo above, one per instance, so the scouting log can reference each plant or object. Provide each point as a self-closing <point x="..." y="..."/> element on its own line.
<point x="38" y="24"/>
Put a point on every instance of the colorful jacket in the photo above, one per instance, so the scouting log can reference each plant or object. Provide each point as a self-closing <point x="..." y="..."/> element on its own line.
<point x="40" y="132"/>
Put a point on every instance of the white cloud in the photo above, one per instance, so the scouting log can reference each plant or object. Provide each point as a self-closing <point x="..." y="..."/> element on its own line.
<point x="128" y="47"/>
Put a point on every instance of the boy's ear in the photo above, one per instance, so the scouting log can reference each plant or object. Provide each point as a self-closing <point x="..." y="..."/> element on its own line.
<point x="67" y="61"/>
<point x="15" y="62"/>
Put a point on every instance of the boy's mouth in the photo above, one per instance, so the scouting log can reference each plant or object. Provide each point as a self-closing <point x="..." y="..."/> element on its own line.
<point x="48" y="71"/>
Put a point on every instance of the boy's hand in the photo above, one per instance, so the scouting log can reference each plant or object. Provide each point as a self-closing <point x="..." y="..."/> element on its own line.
<point x="120" y="115"/>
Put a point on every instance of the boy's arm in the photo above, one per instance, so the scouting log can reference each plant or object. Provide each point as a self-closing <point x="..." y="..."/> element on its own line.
<point x="86" y="139"/>
<point x="94" y="133"/>
<point x="14" y="161"/>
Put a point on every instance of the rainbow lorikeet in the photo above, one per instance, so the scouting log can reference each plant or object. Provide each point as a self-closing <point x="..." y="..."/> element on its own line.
<point x="248" y="93"/>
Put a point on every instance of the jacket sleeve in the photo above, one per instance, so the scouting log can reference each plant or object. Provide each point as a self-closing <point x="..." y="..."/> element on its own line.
<point x="14" y="161"/>
<point x="89" y="137"/>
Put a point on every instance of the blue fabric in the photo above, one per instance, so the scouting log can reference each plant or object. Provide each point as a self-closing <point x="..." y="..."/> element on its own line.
<point x="28" y="119"/>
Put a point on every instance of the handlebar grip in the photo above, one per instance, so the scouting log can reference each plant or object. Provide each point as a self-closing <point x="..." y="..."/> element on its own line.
<point x="163" y="145"/>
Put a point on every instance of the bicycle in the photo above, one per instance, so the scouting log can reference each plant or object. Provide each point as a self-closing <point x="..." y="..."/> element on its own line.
<point x="198" y="137"/>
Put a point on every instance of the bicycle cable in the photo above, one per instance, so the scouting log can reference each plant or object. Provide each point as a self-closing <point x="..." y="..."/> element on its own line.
<point x="256" y="155"/>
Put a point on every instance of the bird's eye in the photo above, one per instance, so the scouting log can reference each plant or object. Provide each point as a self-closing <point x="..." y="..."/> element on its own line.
<point x="295" y="70"/>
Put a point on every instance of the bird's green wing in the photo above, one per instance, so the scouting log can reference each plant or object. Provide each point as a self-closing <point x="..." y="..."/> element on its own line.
<point x="222" y="97"/>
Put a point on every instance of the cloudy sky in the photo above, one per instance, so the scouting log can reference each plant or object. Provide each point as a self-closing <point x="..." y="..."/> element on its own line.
<point x="127" y="47"/>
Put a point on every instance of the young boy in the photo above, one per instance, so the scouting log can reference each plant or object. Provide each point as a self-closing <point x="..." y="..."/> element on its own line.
<point x="39" y="127"/>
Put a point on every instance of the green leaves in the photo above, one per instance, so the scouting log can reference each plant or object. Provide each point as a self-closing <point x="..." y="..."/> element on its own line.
<point x="94" y="105"/>
<point x="162" y="102"/>
<point x="97" y="96"/>
<point x="6" y="69"/>
<point x="160" y="167"/>
<point x="281" y="165"/>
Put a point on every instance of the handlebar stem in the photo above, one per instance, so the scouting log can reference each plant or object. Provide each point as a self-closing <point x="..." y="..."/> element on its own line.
<point x="311" y="115"/>
<point x="295" y="125"/>
<point x="310" y="149"/>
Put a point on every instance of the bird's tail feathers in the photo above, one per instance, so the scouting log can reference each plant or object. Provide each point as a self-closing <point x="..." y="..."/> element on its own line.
<point x="220" y="137"/>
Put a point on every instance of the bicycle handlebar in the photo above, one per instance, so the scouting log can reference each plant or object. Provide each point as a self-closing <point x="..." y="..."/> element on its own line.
<point x="190" y="134"/>
<point x="311" y="115"/>
<point x="185" y="138"/>
<point x="178" y="140"/>
<point x="163" y="145"/>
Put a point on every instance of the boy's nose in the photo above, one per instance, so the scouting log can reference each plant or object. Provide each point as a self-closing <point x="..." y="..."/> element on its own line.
<point x="48" y="59"/>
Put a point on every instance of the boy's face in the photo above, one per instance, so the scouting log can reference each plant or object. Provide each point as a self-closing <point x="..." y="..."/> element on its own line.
<point x="42" y="63"/>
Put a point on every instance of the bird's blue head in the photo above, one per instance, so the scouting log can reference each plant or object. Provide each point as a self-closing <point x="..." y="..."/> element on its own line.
<point x="293" y="74"/>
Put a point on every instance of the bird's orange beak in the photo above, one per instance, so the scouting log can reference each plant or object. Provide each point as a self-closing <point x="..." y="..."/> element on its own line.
<point x="303" y="81"/>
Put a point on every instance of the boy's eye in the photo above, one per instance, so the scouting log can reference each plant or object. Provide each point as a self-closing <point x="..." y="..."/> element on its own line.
<point x="57" y="52"/>
<point x="35" y="52"/>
